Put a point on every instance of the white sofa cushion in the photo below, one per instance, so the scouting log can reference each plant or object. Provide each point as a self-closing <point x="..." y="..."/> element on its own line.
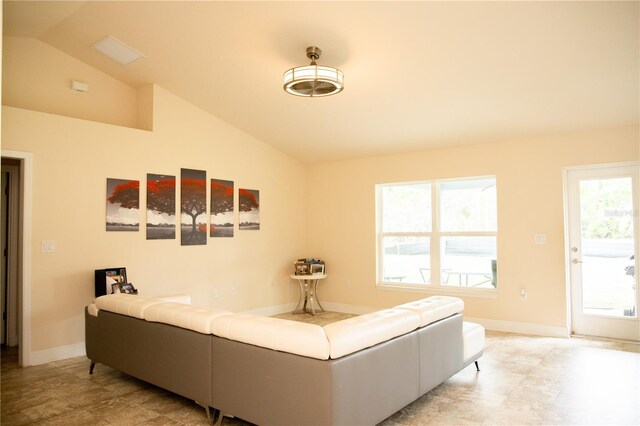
<point x="473" y="338"/>
<point x="281" y="335"/>
<point x="126" y="304"/>
<point x="184" y="316"/>
<point x="434" y="308"/>
<point x="353" y="334"/>
<point x="93" y="309"/>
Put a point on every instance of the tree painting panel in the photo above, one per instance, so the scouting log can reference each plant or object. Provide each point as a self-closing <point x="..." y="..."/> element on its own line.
<point x="123" y="205"/>
<point x="193" y="206"/>
<point x="161" y="207"/>
<point x="249" y="215"/>
<point x="221" y="208"/>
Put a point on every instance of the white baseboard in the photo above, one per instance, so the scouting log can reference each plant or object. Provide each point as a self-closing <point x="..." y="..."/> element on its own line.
<point x="58" y="353"/>
<point x="272" y="310"/>
<point x="347" y="309"/>
<point x="520" y="327"/>
<point x="489" y="324"/>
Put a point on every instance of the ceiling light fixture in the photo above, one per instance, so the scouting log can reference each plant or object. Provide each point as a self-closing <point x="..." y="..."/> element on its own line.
<point x="313" y="80"/>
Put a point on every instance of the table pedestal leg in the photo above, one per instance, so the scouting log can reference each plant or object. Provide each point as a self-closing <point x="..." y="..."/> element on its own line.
<point x="315" y="295"/>
<point x="301" y="308"/>
<point x="308" y="298"/>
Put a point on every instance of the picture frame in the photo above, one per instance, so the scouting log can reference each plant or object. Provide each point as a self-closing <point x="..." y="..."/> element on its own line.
<point x="302" y="268"/>
<point x="105" y="278"/>
<point x="317" y="269"/>
<point x="128" y="288"/>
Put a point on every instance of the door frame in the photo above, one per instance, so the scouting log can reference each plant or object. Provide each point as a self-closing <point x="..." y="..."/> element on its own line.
<point x="25" y="230"/>
<point x="567" y="236"/>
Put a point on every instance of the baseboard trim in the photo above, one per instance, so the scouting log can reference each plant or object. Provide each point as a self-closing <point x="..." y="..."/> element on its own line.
<point x="58" y="353"/>
<point x="347" y="309"/>
<point x="272" y="310"/>
<point x="521" y="327"/>
<point x="489" y="324"/>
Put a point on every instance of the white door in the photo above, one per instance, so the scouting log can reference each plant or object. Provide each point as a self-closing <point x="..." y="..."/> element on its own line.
<point x="603" y="250"/>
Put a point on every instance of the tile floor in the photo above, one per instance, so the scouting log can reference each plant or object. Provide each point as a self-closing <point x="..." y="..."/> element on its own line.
<point x="525" y="380"/>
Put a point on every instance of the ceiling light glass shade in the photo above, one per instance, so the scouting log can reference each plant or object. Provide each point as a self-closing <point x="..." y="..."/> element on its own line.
<point x="313" y="80"/>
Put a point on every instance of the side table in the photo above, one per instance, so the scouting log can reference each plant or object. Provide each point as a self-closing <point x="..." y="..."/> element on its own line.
<point x="308" y="297"/>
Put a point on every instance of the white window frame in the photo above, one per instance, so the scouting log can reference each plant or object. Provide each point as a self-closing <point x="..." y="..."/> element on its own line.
<point x="435" y="235"/>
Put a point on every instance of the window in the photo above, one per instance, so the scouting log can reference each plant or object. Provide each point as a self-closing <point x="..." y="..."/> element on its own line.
<point x="438" y="234"/>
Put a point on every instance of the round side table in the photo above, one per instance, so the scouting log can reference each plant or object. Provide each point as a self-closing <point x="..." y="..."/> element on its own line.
<point x="308" y="297"/>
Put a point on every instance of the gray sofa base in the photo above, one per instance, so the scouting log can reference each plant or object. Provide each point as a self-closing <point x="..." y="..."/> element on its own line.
<point x="169" y="357"/>
<point x="273" y="388"/>
<point x="268" y="387"/>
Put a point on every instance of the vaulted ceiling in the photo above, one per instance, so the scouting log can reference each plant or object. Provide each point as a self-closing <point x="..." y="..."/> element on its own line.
<point x="418" y="75"/>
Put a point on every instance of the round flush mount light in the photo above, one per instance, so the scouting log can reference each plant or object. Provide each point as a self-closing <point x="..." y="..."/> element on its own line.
<point x="313" y="80"/>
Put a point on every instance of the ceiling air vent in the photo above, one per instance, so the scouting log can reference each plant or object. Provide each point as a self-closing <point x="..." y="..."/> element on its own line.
<point x="117" y="50"/>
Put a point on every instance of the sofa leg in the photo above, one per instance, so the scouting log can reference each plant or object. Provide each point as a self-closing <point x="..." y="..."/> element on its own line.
<point x="220" y="417"/>
<point x="91" y="367"/>
<point x="212" y="413"/>
<point x="477" y="366"/>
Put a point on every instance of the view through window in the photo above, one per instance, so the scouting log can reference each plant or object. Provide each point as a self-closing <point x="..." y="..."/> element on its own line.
<point x="438" y="233"/>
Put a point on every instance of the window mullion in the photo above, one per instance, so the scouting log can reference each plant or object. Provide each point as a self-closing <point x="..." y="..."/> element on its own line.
<point x="435" y="237"/>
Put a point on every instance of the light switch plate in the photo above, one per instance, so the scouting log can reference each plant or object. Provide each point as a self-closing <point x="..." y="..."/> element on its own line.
<point x="48" y="246"/>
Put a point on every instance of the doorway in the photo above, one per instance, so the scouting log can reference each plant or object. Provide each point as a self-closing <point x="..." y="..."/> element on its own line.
<point x="20" y="202"/>
<point x="10" y="254"/>
<point x="602" y="213"/>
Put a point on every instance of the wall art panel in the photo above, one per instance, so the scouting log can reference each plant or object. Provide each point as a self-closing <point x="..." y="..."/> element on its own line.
<point x="193" y="207"/>
<point x="249" y="215"/>
<point x="221" y="208"/>
<point x="161" y="207"/>
<point x="123" y="205"/>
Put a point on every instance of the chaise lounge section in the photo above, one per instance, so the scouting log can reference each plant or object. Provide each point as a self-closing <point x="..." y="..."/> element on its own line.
<point x="272" y="371"/>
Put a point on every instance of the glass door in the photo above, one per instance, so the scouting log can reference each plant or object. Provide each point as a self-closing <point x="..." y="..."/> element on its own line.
<point x="603" y="247"/>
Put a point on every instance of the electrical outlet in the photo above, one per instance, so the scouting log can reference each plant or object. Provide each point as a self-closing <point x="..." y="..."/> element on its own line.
<point x="348" y="283"/>
<point x="216" y="293"/>
<point x="232" y="290"/>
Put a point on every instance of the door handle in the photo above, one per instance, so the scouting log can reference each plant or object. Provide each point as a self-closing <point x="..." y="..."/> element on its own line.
<point x="576" y="261"/>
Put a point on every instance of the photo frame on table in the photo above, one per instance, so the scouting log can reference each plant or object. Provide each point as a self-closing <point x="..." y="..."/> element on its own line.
<point x="317" y="269"/>
<point x="302" y="268"/>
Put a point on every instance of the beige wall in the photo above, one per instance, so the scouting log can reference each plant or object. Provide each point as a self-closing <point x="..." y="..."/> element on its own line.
<point x="37" y="76"/>
<point x="72" y="160"/>
<point x="341" y="217"/>
<point x="73" y="157"/>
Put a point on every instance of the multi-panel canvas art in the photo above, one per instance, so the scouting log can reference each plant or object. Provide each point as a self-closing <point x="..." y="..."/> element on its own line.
<point x="221" y="208"/>
<point x="161" y="207"/>
<point x="123" y="205"/>
<point x="249" y="214"/>
<point x="193" y="207"/>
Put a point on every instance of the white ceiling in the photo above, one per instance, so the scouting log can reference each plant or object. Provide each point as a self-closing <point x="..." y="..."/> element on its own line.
<point x="418" y="75"/>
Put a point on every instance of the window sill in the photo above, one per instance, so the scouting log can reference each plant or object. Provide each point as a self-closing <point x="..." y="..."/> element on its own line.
<point x="479" y="293"/>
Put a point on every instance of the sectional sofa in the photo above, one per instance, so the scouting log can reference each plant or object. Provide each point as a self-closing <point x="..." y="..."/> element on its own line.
<point x="272" y="371"/>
